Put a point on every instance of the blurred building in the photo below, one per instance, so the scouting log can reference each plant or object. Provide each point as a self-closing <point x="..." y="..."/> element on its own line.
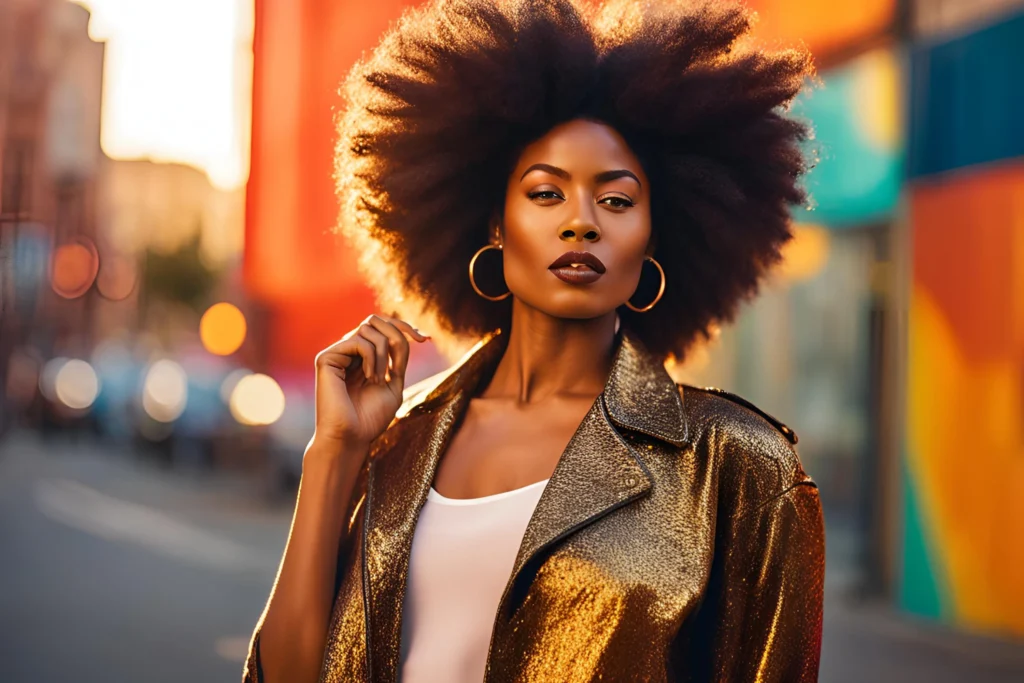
<point x="51" y="79"/>
<point x="148" y="205"/>
<point x="159" y="207"/>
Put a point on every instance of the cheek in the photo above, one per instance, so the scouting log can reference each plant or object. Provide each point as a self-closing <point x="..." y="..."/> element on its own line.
<point x="627" y="245"/>
<point x="527" y="241"/>
<point x="524" y="257"/>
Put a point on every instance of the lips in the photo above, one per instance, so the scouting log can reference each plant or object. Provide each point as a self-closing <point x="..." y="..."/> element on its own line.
<point x="577" y="267"/>
<point x="571" y="258"/>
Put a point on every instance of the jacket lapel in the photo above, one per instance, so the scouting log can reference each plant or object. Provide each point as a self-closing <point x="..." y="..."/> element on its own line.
<point x="598" y="472"/>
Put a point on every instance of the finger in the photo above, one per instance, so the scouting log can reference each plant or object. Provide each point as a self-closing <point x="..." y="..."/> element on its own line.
<point x="359" y="347"/>
<point x="380" y="350"/>
<point x="336" y="360"/>
<point x="340" y="359"/>
<point x="399" y="345"/>
<point x="339" y="363"/>
<point x="356" y="351"/>
<point x="407" y="328"/>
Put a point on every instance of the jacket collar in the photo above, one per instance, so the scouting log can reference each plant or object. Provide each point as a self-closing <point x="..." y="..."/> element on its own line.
<point x="598" y="472"/>
<point x="638" y="395"/>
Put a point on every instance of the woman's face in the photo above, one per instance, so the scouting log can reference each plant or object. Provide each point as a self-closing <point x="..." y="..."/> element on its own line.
<point x="577" y="222"/>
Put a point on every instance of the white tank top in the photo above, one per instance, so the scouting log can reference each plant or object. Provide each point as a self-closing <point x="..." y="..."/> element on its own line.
<point x="462" y="556"/>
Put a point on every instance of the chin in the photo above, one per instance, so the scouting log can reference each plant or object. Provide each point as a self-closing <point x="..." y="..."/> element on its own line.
<point x="576" y="306"/>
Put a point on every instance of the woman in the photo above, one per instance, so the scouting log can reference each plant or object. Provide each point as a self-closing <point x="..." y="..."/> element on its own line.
<point x="554" y="507"/>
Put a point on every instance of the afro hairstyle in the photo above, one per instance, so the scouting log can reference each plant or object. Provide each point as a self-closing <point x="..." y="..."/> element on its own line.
<point x="437" y="115"/>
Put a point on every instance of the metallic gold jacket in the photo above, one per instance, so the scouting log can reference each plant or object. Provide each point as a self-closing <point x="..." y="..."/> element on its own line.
<point x="678" y="539"/>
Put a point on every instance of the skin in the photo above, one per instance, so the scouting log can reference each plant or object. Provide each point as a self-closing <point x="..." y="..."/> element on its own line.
<point x="578" y="188"/>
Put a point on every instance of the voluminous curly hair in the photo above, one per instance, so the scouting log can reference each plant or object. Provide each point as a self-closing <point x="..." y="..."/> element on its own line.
<point x="437" y="115"/>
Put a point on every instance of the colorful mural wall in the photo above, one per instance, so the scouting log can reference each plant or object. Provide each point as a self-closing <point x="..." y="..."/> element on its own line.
<point x="963" y="517"/>
<point x="858" y="125"/>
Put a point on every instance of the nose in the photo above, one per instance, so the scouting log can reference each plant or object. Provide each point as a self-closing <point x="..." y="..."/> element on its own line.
<point x="580" y="229"/>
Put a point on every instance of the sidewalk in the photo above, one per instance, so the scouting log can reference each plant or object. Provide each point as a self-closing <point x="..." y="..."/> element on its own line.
<point x="872" y="643"/>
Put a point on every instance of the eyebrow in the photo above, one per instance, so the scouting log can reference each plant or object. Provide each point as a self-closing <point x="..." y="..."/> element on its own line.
<point x="603" y="177"/>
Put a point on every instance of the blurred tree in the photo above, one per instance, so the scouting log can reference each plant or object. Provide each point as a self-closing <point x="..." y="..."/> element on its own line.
<point x="181" y="276"/>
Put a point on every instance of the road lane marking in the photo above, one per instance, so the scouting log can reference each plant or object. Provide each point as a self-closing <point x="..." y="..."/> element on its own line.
<point x="232" y="648"/>
<point x="81" y="507"/>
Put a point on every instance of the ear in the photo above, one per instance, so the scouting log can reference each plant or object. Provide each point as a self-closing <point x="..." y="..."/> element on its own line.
<point x="496" y="231"/>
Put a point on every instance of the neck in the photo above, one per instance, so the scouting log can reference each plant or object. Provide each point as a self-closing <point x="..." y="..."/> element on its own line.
<point x="549" y="356"/>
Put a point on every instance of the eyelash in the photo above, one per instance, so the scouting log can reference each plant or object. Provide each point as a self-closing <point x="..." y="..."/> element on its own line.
<point x="552" y="195"/>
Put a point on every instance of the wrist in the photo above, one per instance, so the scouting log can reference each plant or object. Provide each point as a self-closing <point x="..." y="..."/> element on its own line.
<point x="333" y="450"/>
<point x="334" y="445"/>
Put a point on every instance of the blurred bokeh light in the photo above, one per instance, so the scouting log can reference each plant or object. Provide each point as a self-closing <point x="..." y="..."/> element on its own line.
<point x="75" y="266"/>
<point x="76" y="384"/>
<point x="222" y="329"/>
<point x="257" y="400"/>
<point x="165" y="391"/>
<point x="117" y="277"/>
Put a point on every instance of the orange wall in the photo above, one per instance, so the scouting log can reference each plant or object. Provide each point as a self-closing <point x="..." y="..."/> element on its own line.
<point x="294" y="264"/>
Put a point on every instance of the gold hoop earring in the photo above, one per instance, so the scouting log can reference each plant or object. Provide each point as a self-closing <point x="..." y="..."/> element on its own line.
<point x="661" y="289"/>
<point x="472" y="280"/>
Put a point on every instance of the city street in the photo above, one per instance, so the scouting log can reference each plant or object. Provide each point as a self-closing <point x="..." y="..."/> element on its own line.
<point x="113" y="570"/>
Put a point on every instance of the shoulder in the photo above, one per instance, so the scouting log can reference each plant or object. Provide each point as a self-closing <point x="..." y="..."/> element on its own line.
<point x="754" y="450"/>
<point x="747" y="406"/>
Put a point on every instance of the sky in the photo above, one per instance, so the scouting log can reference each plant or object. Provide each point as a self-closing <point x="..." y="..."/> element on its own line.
<point x="177" y="82"/>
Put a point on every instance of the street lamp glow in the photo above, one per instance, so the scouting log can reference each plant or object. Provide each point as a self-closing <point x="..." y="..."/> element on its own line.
<point x="165" y="391"/>
<point x="76" y="384"/>
<point x="222" y="329"/>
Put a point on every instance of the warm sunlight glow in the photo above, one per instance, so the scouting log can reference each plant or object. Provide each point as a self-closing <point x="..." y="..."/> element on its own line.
<point x="177" y="82"/>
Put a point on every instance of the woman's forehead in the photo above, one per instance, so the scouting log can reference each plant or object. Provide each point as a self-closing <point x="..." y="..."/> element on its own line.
<point x="580" y="145"/>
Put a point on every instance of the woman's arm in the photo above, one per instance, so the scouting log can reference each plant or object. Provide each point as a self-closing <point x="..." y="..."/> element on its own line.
<point x="359" y="386"/>
<point x="288" y="643"/>
<point x="762" y="618"/>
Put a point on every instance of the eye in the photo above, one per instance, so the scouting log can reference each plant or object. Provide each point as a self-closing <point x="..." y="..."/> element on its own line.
<point x="545" y="195"/>
<point x="617" y="202"/>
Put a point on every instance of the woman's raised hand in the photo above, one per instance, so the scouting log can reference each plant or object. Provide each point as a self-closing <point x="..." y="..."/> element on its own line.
<point x="360" y="379"/>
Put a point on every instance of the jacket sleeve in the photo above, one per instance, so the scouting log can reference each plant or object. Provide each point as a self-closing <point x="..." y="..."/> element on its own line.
<point x="252" y="673"/>
<point x="761" y="619"/>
